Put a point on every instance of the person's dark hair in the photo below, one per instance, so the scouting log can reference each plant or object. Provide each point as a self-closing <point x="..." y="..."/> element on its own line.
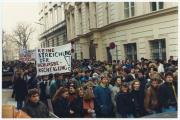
<point x="33" y="92"/>
<point x="169" y="74"/>
<point x="56" y="75"/>
<point x="59" y="93"/>
<point x="121" y="77"/>
<point x="126" y="85"/>
<point x="50" y="76"/>
<point x="141" y="71"/>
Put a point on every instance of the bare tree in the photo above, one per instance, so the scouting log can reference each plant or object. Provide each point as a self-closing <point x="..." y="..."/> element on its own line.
<point x="22" y="34"/>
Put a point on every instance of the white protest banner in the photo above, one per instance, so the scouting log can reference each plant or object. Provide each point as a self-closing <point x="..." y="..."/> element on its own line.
<point x="53" y="60"/>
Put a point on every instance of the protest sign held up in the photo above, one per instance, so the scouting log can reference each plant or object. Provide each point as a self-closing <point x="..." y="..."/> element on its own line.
<point x="53" y="60"/>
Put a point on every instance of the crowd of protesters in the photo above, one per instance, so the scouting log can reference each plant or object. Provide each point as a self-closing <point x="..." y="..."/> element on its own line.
<point x="94" y="89"/>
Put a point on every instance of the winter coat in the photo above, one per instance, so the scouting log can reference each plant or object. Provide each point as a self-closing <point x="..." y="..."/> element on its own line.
<point x="20" y="89"/>
<point x="124" y="103"/>
<point x="73" y="105"/>
<point x="38" y="110"/>
<point x="79" y="110"/>
<point x="43" y="93"/>
<point x="166" y="95"/>
<point x="32" y="83"/>
<point x="151" y="102"/>
<point x="61" y="107"/>
<point x="138" y="103"/>
<point x="88" y="104"/>
<point x="103" y="101"/>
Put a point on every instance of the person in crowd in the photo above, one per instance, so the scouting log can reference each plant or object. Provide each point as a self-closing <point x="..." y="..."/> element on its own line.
<point x="54" y="85"/>
<point x="168" y="94"/>
<point x="32" y="81"/>
<point x="76" y="78"/>
<point x="160" y="66"/>
<point x="80" y="111"/>
<point x="128" y="65"/>
<point x="171" y="58"/>
<point x="88" y="100"/>
<point x="61" y="103"/>
<point x="34" y="107"/>
<point x="124" y="102"/>
<point x="83" y="78"/>
<point x="50" y="78"/>
<point x="115" y="89"/>
<point x="73" y="100"/>
<point x="44" y="87"/>
<point x="142" y="79"/>
<point x="137" y="99"/>
<point x="103" y="101"/>
<point x="151" y="102"/>
<point x="20" y="88"/>
<point x="132" y="73"/>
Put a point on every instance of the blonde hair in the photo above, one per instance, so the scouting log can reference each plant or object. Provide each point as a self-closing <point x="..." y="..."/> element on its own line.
<point x="133" y="82"/>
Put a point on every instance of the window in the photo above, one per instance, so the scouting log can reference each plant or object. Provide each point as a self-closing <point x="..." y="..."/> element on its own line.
<point x="44" y="44"/>
<point x="80" y="21"/>
<point x="52" y="42"/>
<point x="128" y="9"/>
<point x="55" y="15"/>
<point x="88" y="15"/>
<point x="130" y="51"/>
<point x="158" y="49"/>
<point x="95" y="16"/>
<point x="68" y="27"/>
<point x="57" y="41"/>
<point x="156" y="6"/>
<point x="51" y="18"/>
<point x="46" y="21"/>
<point x="107" y="12"/>
<point x="47" y="43"/>
<point x="73" y="24"/>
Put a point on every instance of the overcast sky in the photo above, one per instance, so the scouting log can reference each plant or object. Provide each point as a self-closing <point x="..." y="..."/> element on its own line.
<point x="15" y="12"/>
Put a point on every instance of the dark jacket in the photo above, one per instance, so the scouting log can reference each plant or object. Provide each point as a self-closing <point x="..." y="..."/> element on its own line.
<point x="61" y="107"/>
<point x="20" y="89"/>
<point x="138" y="103"/>
<point x="166" y="95"/>
<point x="73" y="105"/>
<point x="43" y="94"/>
<point x="103" y="102"/>
<point x="80" y="112"/>
<point x="38" y="110"/>
<point x="32" y="83"/>
<point x="124" y="103"/>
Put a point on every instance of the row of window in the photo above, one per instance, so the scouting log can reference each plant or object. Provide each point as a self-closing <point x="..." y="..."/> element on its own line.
<point x="129" y="8"/>
<point x="53" y="17"/>
<point x="129" y="11"/>
<point x="55" y="42"/>
<point x="157" y="50"/>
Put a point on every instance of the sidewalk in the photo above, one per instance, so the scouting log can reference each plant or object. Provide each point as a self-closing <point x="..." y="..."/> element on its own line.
<point x="6" y="97"/>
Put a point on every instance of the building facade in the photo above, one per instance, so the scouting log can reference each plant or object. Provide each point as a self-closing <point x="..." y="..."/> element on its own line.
<point x="53" y="24"/>
<point x="138" y="29"/>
